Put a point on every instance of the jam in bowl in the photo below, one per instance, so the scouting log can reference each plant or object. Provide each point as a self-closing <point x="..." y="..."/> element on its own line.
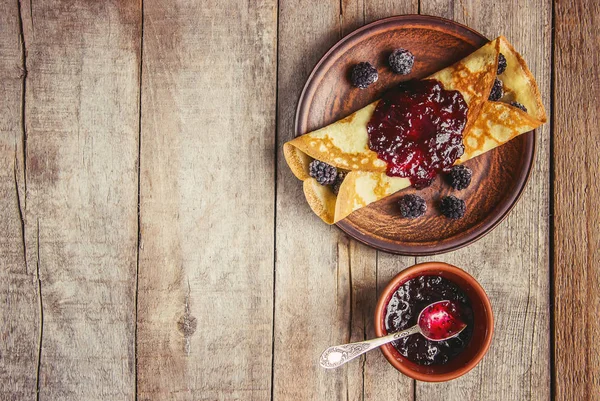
<point x="405" y="306"/>
<point x="403" y="300"/>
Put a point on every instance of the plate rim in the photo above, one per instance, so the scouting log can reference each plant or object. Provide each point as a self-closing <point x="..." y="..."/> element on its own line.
<point x="398" y="248"/>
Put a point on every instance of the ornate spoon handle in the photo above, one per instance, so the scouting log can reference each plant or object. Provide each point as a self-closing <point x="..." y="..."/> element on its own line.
<point x="338" y="355"/>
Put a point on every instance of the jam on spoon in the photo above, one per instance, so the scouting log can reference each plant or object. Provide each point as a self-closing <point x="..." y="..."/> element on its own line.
<point x="417" y="129"/>
<point x="438" y="321"/>
<point x="441" y="320"/>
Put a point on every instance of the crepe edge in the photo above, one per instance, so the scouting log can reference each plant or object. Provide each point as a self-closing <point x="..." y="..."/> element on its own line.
<point x="297" y="160"/>
<point x="542" y="116"/>
<point x="321" y="200"/>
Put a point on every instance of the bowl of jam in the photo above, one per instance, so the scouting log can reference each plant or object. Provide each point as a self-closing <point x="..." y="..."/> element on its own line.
<point x="407" y="295"/>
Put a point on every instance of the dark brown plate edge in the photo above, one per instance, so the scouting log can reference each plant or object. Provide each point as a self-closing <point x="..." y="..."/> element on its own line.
<point x="412" y="250"/>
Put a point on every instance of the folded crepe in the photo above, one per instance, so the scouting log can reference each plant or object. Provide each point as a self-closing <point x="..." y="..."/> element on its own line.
<point x="344" y="144"/>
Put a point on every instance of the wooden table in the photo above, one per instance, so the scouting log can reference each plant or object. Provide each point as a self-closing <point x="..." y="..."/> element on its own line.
<point x="154" y="244"/>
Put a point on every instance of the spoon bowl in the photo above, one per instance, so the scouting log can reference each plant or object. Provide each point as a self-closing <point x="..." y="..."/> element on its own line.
<point x="441" y="321"/>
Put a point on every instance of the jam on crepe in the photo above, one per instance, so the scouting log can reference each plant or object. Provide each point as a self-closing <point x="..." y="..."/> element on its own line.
<point x="403" y="311"/>
<point x="417" y="130"/>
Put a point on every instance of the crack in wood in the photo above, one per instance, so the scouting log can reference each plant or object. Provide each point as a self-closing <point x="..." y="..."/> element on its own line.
<point x="23" y="98"/>
<point x="275" y="170"/>
<point x="139" y="186"/>
<point x="364" y="12"/>
<point x="531" y="354"/>
<point x="341" y="22"/>
<point x="364" y="357"/>
<point x="524" y="331"/>
<point x="351" y="302"/>
<point x="31" y="17"/>
<point x="188" y="323"/>
<point x="350" y="292"/>
<point x="551" y="226"/>
<point x="337" y="279"/>
<point x="21" y="214"/>
<point x="41" y="314"/>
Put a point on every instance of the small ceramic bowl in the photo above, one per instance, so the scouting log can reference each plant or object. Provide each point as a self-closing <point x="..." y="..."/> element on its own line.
<point x="482" y="332"/>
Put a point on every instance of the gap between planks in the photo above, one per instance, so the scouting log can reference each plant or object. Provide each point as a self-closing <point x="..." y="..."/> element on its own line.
<point x="139" y="163"/>
<point x="551" y="168"/>
<point x="275" y="171"/>
<point x="41" y="312"/>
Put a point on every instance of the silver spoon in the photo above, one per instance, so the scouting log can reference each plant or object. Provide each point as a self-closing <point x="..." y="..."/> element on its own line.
<point x="438" y="321"/>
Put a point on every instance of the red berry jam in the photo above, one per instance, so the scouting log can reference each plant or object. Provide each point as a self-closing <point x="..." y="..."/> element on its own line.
<point x="417" y="129"/>
<point x="403" y="311"/>
<point x="441" y="320"/>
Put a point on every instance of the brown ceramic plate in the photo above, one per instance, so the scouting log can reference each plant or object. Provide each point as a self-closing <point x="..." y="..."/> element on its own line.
<point x="499" y="176"/>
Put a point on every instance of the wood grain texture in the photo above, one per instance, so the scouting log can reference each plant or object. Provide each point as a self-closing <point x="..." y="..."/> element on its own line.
<point x="576" y="201"/>
<point x="511" y="263"/>
<point x="19" y="314"/>
<point x="81" y="119"/>
<point x="326" y="284"/>
<point x="312" y="293"/>
<point x="207" y="200"/>
<point x="207" y="306"/>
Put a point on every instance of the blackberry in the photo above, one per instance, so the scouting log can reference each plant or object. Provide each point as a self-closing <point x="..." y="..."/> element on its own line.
<point x="452" y="207"/>
<point x="363" y="75"/>
<point x="338" y="181"/>
<point x="412" y="206"/>
<point x="401" y="61"/>
<point x="460" y="177"/>
<point x="501" y="63"/>
<point x="519" y="106"/>
<point x="497" y="91"/>
<point x="324" y="173"/>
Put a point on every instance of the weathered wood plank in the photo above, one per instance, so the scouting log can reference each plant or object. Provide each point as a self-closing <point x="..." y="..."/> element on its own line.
<point x="576" y="205"/>
<point x="511" y="262"/>
<point x="81" y="113"/>
<point x="326" y="284"/>
<point x="207" y="200"/>
<point x="19" y="317"/>
<point x="312" y="302"/>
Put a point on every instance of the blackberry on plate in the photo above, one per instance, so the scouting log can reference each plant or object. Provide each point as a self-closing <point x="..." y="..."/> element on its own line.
<point x="363" y="75"/>
<point x="401" y="61"/>
<point x="519" y="106"/>
<point x="338" y="181"/>
<point x="452" y="207"/>
<point x="497" y="90"/>
<point x="412" y="206"/>
<point x="501" y="63"/>
<point x="460" y="176"/>
<point x="324" y="173"/>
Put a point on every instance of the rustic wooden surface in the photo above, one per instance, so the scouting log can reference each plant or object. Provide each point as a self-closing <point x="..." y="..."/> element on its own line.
<point x="205" y="299"/>
<point x="154" y="245"/>
<point x="576" y="201"/>
<point x="20" y="321"/>
<point x="71" y="297"/>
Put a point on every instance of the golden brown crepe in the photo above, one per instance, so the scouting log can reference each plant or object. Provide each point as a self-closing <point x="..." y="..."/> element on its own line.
<point x="344" y="144"/>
